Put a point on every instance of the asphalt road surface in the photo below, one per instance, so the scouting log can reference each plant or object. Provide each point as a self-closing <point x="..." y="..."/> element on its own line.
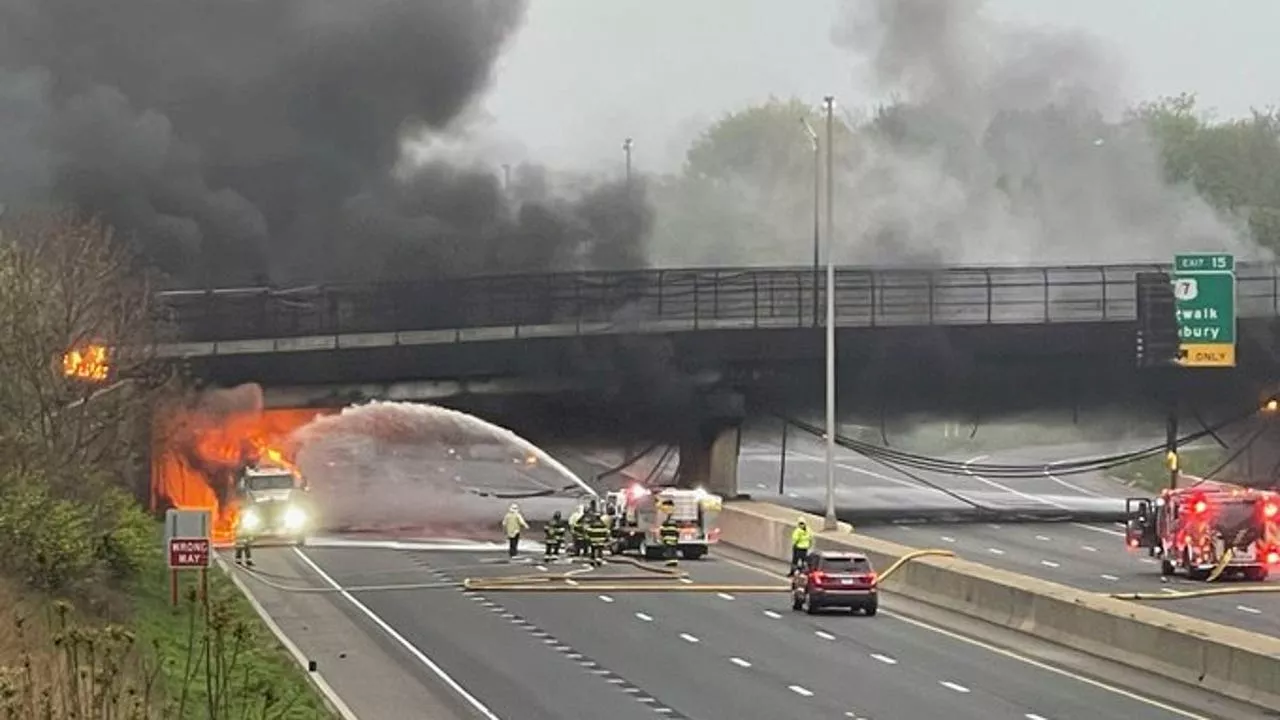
<point x="632" y="656"/>
<point x="1087" y="556"/>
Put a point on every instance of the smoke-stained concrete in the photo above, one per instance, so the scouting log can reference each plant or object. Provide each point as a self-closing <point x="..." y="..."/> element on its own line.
<point x="243" y="141"/>
<point x="1006" y="144"/>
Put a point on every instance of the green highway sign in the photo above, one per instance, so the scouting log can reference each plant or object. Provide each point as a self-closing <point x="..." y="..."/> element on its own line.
<point x="1204" y="290"/>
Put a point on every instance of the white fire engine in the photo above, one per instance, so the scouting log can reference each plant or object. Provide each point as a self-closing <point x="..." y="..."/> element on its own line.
<point x="638" y="515"/>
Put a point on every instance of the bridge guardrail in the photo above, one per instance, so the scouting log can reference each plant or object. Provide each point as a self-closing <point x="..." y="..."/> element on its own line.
<point x="689" y="299"/>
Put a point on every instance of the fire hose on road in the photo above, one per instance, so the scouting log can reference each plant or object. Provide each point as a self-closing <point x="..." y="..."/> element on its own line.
<point x="581" y="582"/>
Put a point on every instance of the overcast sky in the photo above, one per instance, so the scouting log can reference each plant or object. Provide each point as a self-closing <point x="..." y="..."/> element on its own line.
<point x="584" y="74"/>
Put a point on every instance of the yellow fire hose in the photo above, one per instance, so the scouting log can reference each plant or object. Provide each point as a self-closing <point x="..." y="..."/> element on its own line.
<point x="1208" y="592"/>
<point x="581" y="582"/>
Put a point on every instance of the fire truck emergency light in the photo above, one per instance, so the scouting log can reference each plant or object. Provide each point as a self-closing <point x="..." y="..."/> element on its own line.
<point x="1270" y="510"/>
<point x="1199" y="507"/>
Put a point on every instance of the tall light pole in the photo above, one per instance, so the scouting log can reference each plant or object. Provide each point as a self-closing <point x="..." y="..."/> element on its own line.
<point x="817" y="204"/>
<point x="626" y="149"/>
<point x="830" y="522"/>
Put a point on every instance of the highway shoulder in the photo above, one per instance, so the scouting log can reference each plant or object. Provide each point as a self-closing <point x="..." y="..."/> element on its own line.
<point x="1027" y="649"/>
<point x="369" y="678"/>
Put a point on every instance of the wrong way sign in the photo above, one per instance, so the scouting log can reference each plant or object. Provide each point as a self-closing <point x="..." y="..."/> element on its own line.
<point x="187" y="553"/>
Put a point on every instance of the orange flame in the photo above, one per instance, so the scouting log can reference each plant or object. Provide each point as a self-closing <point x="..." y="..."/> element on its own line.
<point x="89" y="363"/>
<point x="196" y="459"/>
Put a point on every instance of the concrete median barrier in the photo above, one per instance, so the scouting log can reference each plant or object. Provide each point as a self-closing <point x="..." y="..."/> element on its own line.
<point x="1226" y="660"/>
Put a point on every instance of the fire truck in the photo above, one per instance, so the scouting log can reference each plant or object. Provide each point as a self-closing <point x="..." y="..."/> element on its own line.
<point x="1191" y="529"/>
<point x="272" y="505"/>
<point x="638" y="514"/>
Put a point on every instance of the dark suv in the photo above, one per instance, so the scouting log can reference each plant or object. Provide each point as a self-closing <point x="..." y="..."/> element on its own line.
<point x="835" y="579"/>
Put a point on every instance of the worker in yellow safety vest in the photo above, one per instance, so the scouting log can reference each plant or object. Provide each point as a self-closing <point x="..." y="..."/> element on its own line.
<point x="801" y="544"/>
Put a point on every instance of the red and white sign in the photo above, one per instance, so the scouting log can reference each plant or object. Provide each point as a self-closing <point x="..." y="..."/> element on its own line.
<point x="189" y="553"/>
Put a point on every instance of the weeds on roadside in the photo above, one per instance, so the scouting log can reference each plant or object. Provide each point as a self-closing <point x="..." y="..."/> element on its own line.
<point x="100" y="672"/>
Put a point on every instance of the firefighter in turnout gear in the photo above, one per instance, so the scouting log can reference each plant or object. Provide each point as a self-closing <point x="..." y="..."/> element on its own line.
<point x="555" y="535"/>
<point x="670" y="534"/>
<point x="598" y="536"/>
<point x="578" y="531"/>
<point x="244" y="542"/>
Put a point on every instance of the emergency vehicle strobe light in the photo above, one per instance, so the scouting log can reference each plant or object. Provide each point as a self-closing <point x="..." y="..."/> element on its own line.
<point x="639" y="491"/>
<point x="1273" y="558"/>
<point x="1270" y="510"/>
<point x="1199" y="507"/>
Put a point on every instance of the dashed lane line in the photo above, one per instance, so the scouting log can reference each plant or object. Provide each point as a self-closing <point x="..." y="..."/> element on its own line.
<point x="1050" y="564"/>
<point x="800" y="690"/>
<point x="884" y="659"/>
<point x="740" y="662"/>
<point x="591" y="666"/>
<point x="954" y="686"/>
<point x="824" y="635"/>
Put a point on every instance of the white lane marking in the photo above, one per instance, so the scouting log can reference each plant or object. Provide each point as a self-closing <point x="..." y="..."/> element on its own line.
<point x="772" y="614"/>
<point x="993" y="526"/>
<point x="688" y="638"/>
<point x="863" y="471"/>
<point x="884" y="659"/>
<point x="948" y="538"/>
<point x="724" y="596"/>
<point x="420" y="656"/>
<point x="761" y="485"/>
<point x="646" y="618"/>
<point x="1246" y="608"/>
<point x="995" y="551"/>
<point x="800" y="691"/>
<point x="570" y="581"/>
<point x="542" y="568"/>
<point x="1097" y="529"/>
<point x="606" y="598"/>
<point x="792" y="495"/>
<point x="1088" y="548"/>
<point x="1149" y="561"/>
<point x="824" y="635"/>
<point x="687" y="581"/>
<point x="1049" y="563"/>
<point x="1044" y="538"/>
<point x="1073" y="486"/>
<point x="1009" y="654"/>
<point x="739" y="662"/>
<point x="1112" y="578"/>
<point x="1033" y="716"/>
<point x="1168" y="590"/>
<point x="1006" y="488"/>
<point x="953" y="686"/>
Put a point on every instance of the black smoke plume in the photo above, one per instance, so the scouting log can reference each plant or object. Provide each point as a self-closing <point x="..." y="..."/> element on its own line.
<point x="247" y="141"/>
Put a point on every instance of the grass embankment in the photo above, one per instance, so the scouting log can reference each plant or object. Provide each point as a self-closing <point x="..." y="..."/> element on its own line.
<point x="131" y="655"/>
<point x="1152" y="475"/>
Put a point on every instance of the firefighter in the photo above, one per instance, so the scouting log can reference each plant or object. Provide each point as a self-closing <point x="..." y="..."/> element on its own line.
<point x="554" y="536"/>
<point x="598" y="537"/>
<point x="513" y="523"/>
<point x="578" y="531"/>
<point x="801" y="543"/>
<point x="670" y="534"/>
<point x="244" y="542"/>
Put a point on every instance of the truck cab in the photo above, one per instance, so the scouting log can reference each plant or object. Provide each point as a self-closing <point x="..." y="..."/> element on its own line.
<point x="272" y="505"/>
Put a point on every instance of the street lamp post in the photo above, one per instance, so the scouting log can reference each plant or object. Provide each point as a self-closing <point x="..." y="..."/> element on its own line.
<point x="830" y="522"/>
<point x="626" y="149"/>
<point x="817" y="204"/>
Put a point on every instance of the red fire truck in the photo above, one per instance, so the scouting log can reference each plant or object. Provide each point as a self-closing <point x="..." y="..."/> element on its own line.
<point x="1192" y="529"/>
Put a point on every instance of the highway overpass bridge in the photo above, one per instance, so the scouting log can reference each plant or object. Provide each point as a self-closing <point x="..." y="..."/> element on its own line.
<point x="910" y="337"/>
<point x="555" y="330"/>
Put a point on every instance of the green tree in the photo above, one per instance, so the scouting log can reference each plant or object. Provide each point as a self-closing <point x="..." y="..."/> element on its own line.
<point x="746" y="191"/>
<point x="1234" y="164"/>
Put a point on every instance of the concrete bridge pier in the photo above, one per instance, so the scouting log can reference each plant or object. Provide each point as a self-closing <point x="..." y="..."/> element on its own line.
<point x="709" y="453"/>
